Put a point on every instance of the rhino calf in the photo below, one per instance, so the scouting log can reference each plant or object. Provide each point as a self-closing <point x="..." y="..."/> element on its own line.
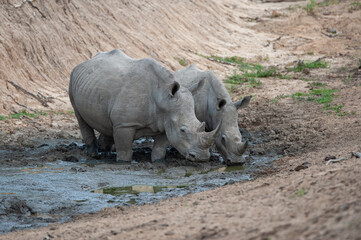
<point x="125" y="99"/>
<point x="213" y="105"/>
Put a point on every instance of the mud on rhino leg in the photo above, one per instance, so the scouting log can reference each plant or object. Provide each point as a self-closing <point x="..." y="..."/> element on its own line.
<point x="88" y="136"/>
<point x="159" y="148"/>
<point x="105" y="144"/>
<point x="123" y="140"/>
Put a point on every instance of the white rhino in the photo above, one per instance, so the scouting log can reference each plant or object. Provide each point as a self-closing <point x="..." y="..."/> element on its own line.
<point x="125" y="99"/>
<point x="214" y="105"/>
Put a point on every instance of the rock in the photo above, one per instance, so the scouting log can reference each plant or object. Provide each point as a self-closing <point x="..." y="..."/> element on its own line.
<point x="356" y="154"/>
<point x="329" y="158"/>
<point x="331" y="30"/>
<point x="70" y="159"/>
<point x="14" y="205"/>
<point x="169" y="233"/>
<point x="302" y="166"/>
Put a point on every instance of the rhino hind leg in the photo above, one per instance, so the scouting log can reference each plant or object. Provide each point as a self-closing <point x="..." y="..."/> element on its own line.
<point x="105" y="144"/>
<point x="123" y="140"/>
<point x="159" y="148"/>
<point x="88" y="135"/>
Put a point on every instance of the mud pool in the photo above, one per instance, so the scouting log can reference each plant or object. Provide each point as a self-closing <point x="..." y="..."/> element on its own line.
<point x="54" y="181"/>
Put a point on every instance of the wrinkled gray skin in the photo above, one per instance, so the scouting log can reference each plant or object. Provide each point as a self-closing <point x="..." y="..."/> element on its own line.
<point x="213" y="105"/>
<point x="125" y="99"/>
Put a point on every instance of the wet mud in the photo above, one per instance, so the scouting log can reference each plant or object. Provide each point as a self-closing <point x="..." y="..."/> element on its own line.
<point x="55" y="180"/>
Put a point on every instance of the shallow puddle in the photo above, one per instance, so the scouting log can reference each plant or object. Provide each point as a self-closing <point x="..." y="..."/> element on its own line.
<point x="44" y="192"/>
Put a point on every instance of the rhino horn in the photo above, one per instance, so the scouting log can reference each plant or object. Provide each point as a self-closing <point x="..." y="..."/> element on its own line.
<point x="241" y="148"/>
<point x="207" y="139"/>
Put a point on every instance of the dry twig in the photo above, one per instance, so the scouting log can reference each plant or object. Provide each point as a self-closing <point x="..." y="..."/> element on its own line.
<point x="21" y="105"/>
<point x="29" y="93"/>
<point x="335" y="160"/>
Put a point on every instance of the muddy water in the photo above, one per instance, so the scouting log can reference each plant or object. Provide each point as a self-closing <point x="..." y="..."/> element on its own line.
<point x="57" y="181"/>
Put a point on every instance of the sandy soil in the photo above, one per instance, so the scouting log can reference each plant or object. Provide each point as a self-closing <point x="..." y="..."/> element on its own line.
<point x="318" y="201"/>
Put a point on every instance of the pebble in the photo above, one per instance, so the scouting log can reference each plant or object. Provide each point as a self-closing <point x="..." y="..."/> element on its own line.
<point x="169" y="233"/>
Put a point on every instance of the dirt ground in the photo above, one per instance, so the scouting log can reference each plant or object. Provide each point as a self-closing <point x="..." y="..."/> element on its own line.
<point x="299" y="197"/>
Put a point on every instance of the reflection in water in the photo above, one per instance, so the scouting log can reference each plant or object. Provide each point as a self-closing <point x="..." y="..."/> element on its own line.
<point x="136" y="189"/>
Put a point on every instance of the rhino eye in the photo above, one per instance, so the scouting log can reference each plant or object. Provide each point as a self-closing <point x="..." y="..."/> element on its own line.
<point x="183" y="129"/>
<point x="224" y="140"/>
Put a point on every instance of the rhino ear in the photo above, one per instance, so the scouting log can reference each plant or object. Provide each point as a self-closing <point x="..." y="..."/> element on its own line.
<point x="197" y="86"/>
<point x="173" y="89"/>
<point x="221" y="103"/>
<point x="243" y="102"/>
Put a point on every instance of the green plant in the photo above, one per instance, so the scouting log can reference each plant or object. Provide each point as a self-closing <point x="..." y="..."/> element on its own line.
<point x="284" y="77"/>
<point x="235" y="78"/>
<point x="18" y="115"/>
<point x="327" y="3"/>
<point x="181" y="61"/>
<point x="233" y="88"/>
<point x="310" y="7"/>
<point x="188" y="174"/>
<point x="161" y="171"/>
<point x="247" y="72"/>
<point x="348" y="78"/>
<point x="356" y="5"/>
<point x="227" y="60"/>
<point x="317" y="84"/>
<point x="300" y="192"/>
<point x="322" y="96"/>
<point x="301" y="65"/>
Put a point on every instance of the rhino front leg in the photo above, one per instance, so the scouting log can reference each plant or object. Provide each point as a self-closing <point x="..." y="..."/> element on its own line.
<point x="159" y="148"/>
<point x="123" y="140"/>
<point x="88" y="136"/>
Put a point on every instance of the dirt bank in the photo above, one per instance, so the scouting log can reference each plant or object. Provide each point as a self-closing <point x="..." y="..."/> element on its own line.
<point x="306" y="116"/>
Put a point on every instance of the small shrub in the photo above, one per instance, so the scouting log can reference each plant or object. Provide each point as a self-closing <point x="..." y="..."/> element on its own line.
<point x="311" y="7"/>
<point x="355" y="6"/>
<point x="23" y="113"/>
<point x="308" y="65"/>
<point x="181" y="61"/>
<point x="300" y="192"/>
<point x="327" y="3"/>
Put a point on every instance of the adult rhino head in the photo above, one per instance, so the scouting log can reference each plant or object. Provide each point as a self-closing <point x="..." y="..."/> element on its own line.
<point x="214" y="105"/>
<point x="183" y="130"/>
<point x="229" y="143"/>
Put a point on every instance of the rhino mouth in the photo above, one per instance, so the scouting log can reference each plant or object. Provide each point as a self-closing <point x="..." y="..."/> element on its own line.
<point x="191" y="156"/>
<point x="231" y="159"/>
